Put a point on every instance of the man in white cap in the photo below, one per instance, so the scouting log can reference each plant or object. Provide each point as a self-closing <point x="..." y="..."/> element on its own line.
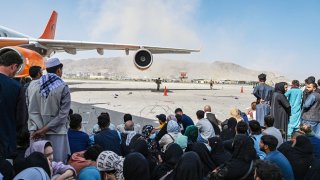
<point x="48" y="106"/>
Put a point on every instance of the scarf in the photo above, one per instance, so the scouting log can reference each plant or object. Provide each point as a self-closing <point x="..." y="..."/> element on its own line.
<point x="48" y="83"/>
<point x="173" y="127"/>
<point x="130" y="135"/>
<point x="110" y="161"/>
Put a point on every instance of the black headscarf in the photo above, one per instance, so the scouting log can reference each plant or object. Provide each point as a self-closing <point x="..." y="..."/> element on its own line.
<point x="229" y="129"/>
<point x="188" y="168"/>
<point x="135" y="167"/>
<point x="303" y="145"/>
<point x="6" y="170"/>
<point x="279" y="87"/>
<point x="204" y="154"/>
<point x="301" y="156"/>
<point x="171" y="158"/>
<point x="218" y="154"/>
<point x="173" y="154"/>
<point x="141" y="146"/>
<point x="243" y="148"/>
<point x="35" y="159"/>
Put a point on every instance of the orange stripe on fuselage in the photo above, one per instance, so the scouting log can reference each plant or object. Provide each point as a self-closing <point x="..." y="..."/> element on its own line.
<point x="12" y="42"/>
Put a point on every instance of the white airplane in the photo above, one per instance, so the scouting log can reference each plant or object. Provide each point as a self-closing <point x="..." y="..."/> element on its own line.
<point x="33" y="51"/>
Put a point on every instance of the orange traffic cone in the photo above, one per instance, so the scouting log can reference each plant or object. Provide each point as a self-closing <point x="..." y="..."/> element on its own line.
<point x="165" y="91"/>
<point x="241" y="89"/>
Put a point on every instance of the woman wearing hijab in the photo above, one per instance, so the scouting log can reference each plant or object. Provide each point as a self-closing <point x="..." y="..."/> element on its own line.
<point x="135" y="167"/>
<point x="228" y="129"/>
<point x="141" y="146"/>
<point x="173" y="130"/>
<point x="188" y="168"/>
<point x="218" y="154"/>
<point x="58" y="168"/>
<point x="280" y="107"/>
<point x="32" y="173"/>
<point x="192" y="133"/>
<point x="89" y="172"/>
<point x="171" y="158"/>
<point x="240" y="166"/>
<point x="111" y="163"/>
<point x="204" y="154"/>
<point x="35" y="159"/>
<point x="300" y="156"/>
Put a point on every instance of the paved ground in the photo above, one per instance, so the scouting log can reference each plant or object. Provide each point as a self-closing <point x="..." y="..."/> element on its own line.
<point x="140" y="99"/>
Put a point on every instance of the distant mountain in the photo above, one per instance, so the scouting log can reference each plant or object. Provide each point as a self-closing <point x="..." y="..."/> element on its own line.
<point x="170" y="69"/>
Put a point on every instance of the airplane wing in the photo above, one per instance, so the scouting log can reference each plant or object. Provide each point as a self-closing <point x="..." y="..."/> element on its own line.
<point x="73" y="46"/>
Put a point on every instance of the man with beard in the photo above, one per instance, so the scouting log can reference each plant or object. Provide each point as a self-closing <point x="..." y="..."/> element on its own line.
<point x="311" y="109"/>
<point x="268" y="144"/>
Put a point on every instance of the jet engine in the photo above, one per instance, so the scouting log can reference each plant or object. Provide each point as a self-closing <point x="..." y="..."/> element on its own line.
<point x="29" y="58"/>
<point x="143" y="59"/>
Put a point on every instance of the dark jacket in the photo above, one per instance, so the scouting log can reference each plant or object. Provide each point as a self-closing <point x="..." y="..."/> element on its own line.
<point x="12" y="118"/>
<point x="109" y="140"/>
<point x="311" y="107"/>
<point x="78" y="140"/>
<point x="214" y="122"/>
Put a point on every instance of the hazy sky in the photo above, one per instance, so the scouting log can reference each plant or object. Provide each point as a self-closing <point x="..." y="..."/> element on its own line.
<point x="282" y="36"/>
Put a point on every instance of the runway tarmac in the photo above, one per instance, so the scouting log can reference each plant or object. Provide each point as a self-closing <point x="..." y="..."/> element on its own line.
<point x="91" y="97"/>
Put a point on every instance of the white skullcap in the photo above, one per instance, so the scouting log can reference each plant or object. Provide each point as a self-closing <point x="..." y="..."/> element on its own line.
<point x="52" y="62"/>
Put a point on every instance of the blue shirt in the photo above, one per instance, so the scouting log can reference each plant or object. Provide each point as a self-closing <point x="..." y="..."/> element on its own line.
<point x="256" y="139"/>
<point x="282" y="162"/>
<point x="78" y="140"/>
<point x="315" y="141"/>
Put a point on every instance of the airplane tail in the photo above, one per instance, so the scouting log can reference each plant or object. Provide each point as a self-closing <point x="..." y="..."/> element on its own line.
<point x="50" y="30"/>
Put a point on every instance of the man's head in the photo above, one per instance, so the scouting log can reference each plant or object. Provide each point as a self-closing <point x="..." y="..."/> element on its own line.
<point x="10" y="62"/>
<point x="127" y="117"/>
<point x="75" y="121"/>
<point x="311" y="87"/>
<point x="255" y="127"/>
<point x="262" y="77"/>
<point x="93" y="152"/>
<point x="268" y="143"/>
<point x="305" y="128"/>
<point x="266" y="170"/>
<point x="104" y="120"/>
<point x="311" y="79"/>
<point x="35" y="72"/>
<point x="200" y="114"/>
<point x="241" y="127"/>
<point x="268" y="121"/>
<point x="129" y="126"/>
<point x="162" y="118"/>
<point x="295" y="84"/>
<point x="178" y="111"/>
<point x="253" y="106"/>
<point x="207" y="108"/>
<point x="53" y="65"/>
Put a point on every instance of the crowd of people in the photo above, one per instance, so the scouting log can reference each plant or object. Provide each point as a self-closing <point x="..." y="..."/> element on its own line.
<point x="41" y="138"/>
